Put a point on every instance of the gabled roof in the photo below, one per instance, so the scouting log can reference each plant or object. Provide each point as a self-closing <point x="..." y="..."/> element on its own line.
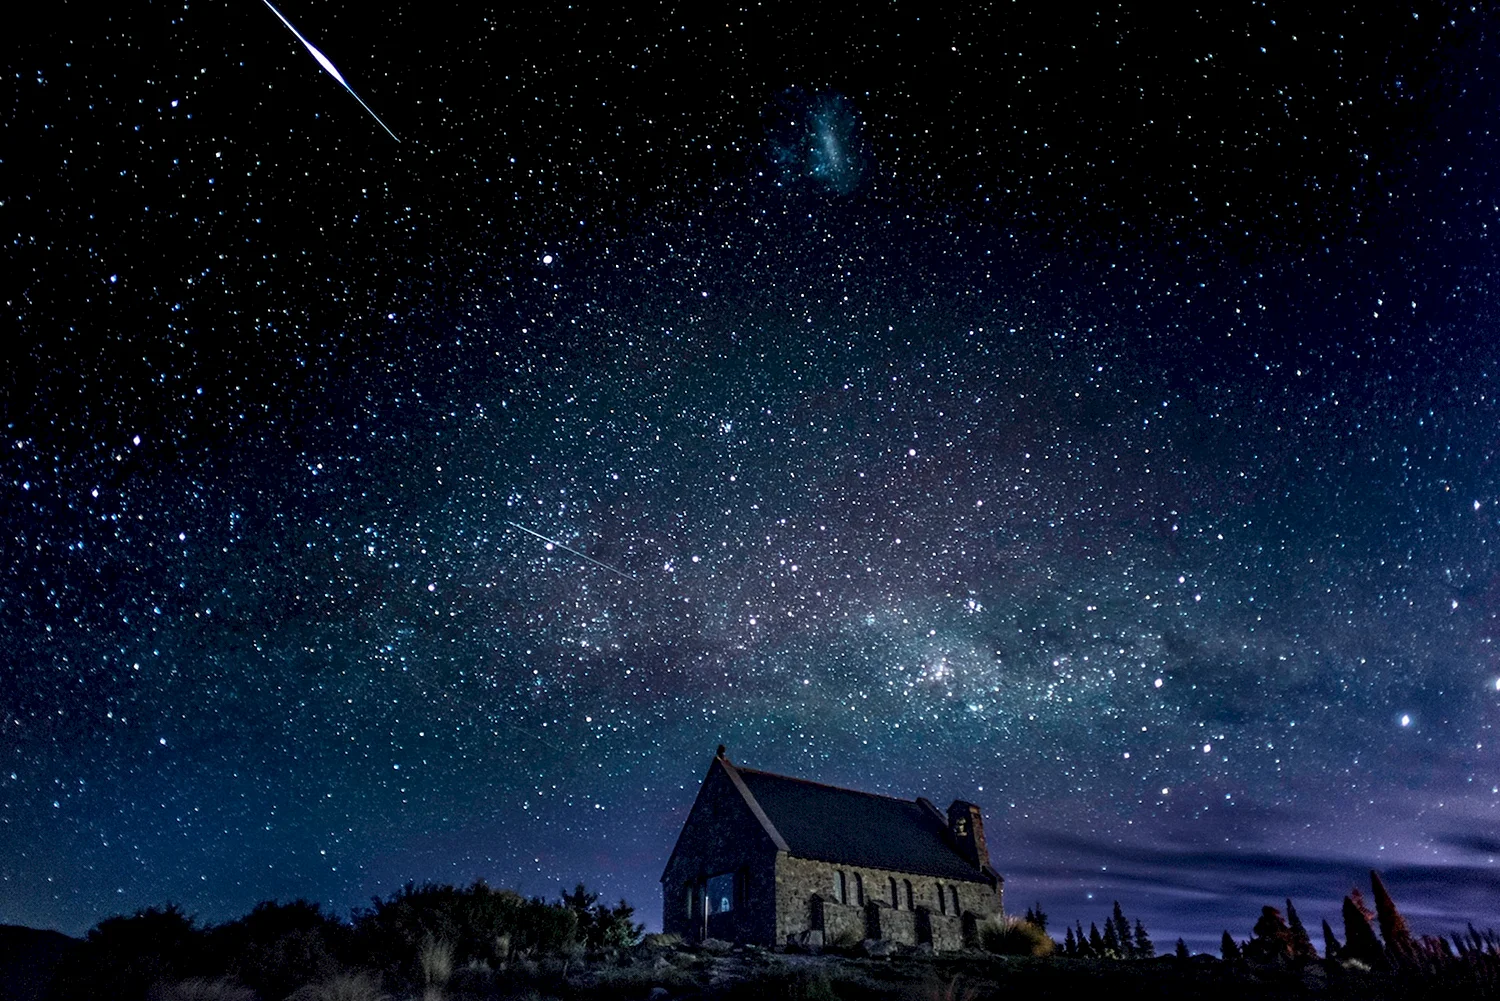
<point x="830" y="824"/>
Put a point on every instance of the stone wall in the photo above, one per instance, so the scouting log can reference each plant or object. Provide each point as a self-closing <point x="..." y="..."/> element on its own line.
<point x="807" y="891"/>
<point x="843" y="924"/>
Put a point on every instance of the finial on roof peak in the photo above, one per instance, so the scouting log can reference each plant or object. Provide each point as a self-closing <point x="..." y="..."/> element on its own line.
<point x="720" y="752"/>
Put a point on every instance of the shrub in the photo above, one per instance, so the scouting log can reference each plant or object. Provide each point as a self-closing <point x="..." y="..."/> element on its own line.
<point x="602" y="927"/>
<point x="122" y="957"/>
<point x="662" y="940"/>
<point x="360" y="986"/>
<point x="1010" y="936"/>
<point x="199" y="989"/>
<point x="277" y="947"/>
<point x="479" y="923"/>
<point x="844" y="938"/>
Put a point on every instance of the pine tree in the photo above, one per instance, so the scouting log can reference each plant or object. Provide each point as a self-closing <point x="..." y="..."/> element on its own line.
<point x="1084" y="949"/>
<point x="1331" y="947"/>
<point x="1271" y="940"/>
<point x="1398" y="940"/>
<point x="1144" y="949"/>
<point x="1302" y="947"/>
<point x="1037" y="916"/>
<point x="1112" y="947"/>
<point x="1359" y="938"/>
<point x="1182" y="950"/>
<point x="1122" y="932"/>
<point x="1070" y="946"/>
<point x="1228" y="949"/>
<point x="1096" y="943"/>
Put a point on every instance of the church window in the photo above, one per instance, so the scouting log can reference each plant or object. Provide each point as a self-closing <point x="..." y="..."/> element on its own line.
<point x="859" y="889"/>
<point x="953" y="898"/>
<point x="721" y="893"/>
<point x="840" y="886"/>
<point x="942" y="900"/>
<point x="895" y="895"/>
<point x="911" y="900"/>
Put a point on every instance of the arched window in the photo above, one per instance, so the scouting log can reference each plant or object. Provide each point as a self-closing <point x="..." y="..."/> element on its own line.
<point x="942" y="900"/>
<point x="911" y="900"/>
<point x="953" y="897"/>
<point x="895" y="895"/>
<point x="859" y="889"/>
<point x="840" y="886"/>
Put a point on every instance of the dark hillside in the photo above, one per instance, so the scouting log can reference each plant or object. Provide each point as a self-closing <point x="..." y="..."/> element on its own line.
<point x="28" y="958"/>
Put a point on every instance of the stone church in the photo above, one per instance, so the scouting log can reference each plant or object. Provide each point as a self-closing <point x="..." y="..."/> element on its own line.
<point x="774" y="860"/>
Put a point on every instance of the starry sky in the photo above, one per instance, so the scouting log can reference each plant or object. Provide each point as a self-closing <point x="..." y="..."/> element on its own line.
<point x="1082" y="412"/>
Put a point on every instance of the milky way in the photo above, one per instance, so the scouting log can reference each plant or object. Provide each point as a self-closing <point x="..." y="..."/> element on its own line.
<point x="1091" y="419"/>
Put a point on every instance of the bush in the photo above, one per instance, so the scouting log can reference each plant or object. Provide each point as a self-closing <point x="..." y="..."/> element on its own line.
<point x="662" y="940"/>
<point x="278" y="947"/>
<point x="844" y="938"/>
<point x="1010" y="936"/>
<point x="199" y="989"/>
<point x="342" y="987"/>
<point x="602" y="927"/>
<point x="478" y="923"/>
<point x="123" y="957"/>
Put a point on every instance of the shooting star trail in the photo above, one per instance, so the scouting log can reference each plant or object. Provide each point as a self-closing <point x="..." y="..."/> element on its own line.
<point x="553" y="542"/>
<point x="324" y="62"/>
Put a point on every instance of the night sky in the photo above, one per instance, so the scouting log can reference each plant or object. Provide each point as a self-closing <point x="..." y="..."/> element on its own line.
<point x="1078" y="411"/>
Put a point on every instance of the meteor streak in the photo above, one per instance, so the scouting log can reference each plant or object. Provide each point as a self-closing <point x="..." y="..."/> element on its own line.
<point x="553" y="542"/>
<point x="324" y="62"/>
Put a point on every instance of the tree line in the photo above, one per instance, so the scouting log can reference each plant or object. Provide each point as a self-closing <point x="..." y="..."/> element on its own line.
<point x="415" y="938"/>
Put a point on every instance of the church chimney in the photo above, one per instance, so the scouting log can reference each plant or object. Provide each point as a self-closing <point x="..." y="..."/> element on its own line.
<point x="967" y="827"/>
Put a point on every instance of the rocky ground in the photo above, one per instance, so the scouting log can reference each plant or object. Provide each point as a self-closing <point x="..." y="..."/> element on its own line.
<point x="719" y="971"/>
<point x="722" y="971"/>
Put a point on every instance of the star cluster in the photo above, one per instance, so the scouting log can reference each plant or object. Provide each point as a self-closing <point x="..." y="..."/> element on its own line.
<point x="1087" y="416"/>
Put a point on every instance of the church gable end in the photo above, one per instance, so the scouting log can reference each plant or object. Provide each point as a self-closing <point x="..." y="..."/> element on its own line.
<point x="720" y="881"/>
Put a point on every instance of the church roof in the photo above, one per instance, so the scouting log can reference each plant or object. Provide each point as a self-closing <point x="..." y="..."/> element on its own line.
<point x="830" y="824"/>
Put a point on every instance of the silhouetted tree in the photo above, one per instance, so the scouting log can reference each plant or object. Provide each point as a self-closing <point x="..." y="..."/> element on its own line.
<point x="1112" y="947"/>
<point x="1096" y="942"/>
<point x="1122" y="931"/>
<point x="121" y="958"/>
<point x="479" y="923"/>
<point x="1359" y="938"/>
<point x="1398" y="940"/>
<point x="1331" y="946"/>
<point x="1302" y="947"/>
<point x="1182" y="950"/>
<point x="1070" y="945"/>
<point x="1144" y="949"/>
<point x="1271" y="940"/>
<point x="1228" y="949"/>
<point x="600" y="927"/>
<point x="277" y="947"/>
<point x="1037" y="916"/>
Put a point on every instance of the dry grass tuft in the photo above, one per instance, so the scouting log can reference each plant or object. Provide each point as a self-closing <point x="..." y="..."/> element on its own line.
<point x="199" y="989"/>
<point x="343" y="987"/>
<point x="1010" y="936"/>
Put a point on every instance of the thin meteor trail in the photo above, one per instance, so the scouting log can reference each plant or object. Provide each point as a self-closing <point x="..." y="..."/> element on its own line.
<point x="324" y="62"/>
<point x="559" y="545"/>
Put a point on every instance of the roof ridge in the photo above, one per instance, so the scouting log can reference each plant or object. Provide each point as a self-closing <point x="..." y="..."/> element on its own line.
<point x="827" y="785"/>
